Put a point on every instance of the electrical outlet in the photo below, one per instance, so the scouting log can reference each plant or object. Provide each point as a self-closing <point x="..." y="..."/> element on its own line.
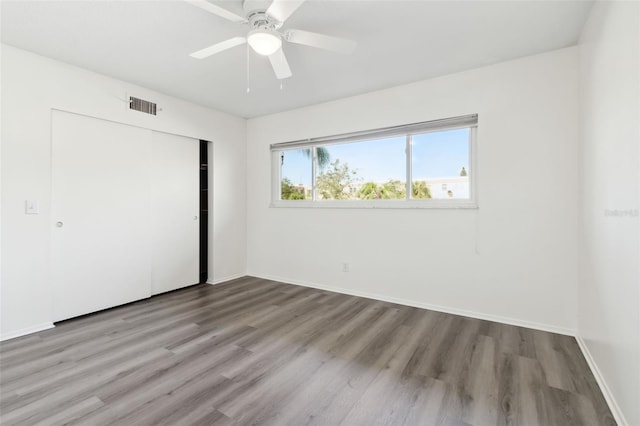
<point x="345" y="267"/>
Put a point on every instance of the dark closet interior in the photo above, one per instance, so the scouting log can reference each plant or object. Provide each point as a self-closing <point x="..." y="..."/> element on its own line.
<point x="204" y="210"/>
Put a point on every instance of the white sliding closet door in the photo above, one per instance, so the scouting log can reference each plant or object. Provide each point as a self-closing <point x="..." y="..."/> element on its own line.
<point x="175" y="207"/>
<point x="101" y="236"/>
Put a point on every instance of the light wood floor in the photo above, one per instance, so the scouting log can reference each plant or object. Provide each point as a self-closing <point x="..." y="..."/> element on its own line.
<point x="253" y="351"/>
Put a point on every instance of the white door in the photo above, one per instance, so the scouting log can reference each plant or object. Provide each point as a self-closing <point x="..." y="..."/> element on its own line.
<point x="174" y="212"/>
<point x="101" y="232"/>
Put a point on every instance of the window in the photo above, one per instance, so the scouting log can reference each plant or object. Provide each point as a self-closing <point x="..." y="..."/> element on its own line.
<point x="427" y="164"/>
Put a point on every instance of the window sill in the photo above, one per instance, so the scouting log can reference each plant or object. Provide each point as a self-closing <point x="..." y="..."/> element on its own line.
<point x="390" y="204"/>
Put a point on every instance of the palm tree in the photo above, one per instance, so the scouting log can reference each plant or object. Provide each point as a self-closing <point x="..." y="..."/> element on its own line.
<point x="322" y="154"/>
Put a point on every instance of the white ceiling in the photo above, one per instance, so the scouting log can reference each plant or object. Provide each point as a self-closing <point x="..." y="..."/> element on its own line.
<point x="148" y="42"/>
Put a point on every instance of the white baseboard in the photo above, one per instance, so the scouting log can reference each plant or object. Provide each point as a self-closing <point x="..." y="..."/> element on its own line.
<point x="611" y="401"/>
<point x="439" y="308"/>
<point x="26" y="330"/>
<point x="225" y="279"/>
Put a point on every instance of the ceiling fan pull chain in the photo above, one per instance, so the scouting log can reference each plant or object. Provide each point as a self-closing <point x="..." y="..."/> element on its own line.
<point x="248" y="79"/>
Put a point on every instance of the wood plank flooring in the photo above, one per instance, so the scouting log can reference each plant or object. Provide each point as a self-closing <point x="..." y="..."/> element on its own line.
<point x="254" y="351"/>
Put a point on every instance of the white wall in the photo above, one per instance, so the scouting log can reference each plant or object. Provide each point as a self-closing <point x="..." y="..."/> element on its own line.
<point x="609" y="291"/>
<point x="514" y="259"/>
<point x="31" y="87"/>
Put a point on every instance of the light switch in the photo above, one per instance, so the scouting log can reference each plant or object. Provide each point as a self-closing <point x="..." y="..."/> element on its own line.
<point x="31" y="207"/>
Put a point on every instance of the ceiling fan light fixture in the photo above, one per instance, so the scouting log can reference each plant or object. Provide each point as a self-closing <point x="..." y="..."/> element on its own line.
<point x="264" y="42"/>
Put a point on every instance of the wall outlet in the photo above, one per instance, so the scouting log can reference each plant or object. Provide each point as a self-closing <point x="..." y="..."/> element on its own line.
<point x="345" y="267"/>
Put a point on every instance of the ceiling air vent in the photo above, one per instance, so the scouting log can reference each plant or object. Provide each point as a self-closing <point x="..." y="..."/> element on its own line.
<point x="142" y="105"/>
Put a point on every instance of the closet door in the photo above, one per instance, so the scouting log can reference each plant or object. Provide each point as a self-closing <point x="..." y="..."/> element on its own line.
<point x="101" y="232"/>
<point x="174" y="212"/>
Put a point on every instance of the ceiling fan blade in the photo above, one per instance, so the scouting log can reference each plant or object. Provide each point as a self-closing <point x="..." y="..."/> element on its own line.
<point x="218" y="47"/>
<point x="280" y="10"/>
<point x="321" y="41"/>
<point x="216" y="10"/>
<point x="280" y="65"/>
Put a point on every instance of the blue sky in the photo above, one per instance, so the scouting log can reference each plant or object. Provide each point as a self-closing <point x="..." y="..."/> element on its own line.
<point x="437" y="154"/>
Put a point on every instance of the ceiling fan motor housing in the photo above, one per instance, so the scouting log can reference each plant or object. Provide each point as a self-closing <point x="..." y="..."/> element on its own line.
<point x="259" y="20"/>
<point x="255" y="11"/>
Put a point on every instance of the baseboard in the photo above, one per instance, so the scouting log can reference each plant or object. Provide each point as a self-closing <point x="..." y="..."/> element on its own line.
<point x="439" y="308"/>
<point x="227" y="278"/>
<point x="611" y="401"/>
<point x="26" y="330"/>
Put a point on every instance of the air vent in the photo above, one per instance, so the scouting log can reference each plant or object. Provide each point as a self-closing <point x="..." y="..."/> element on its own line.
<point x="142" y="105"/>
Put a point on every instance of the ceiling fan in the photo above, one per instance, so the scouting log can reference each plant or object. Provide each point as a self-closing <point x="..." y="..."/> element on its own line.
<point x="265" y="35"/>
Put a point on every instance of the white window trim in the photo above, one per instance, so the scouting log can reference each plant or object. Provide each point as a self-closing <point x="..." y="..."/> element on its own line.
<point x="469" y="121"/>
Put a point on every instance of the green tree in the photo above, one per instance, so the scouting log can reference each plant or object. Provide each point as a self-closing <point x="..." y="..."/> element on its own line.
<point x="463" y="172"/>
<point x="419" y="189"/>
<point x="289" y="191"/>
<point x="337" y="182"/>
<point x="394" y="190"/>
<point x="369" y="191"/>
<point x="391" y="190"/>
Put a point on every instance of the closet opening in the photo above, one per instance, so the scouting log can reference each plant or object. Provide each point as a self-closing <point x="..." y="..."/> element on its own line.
<point x="204" y="211"/>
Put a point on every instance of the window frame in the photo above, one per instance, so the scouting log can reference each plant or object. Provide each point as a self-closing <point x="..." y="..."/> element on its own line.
<point x="408" y="130"/>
